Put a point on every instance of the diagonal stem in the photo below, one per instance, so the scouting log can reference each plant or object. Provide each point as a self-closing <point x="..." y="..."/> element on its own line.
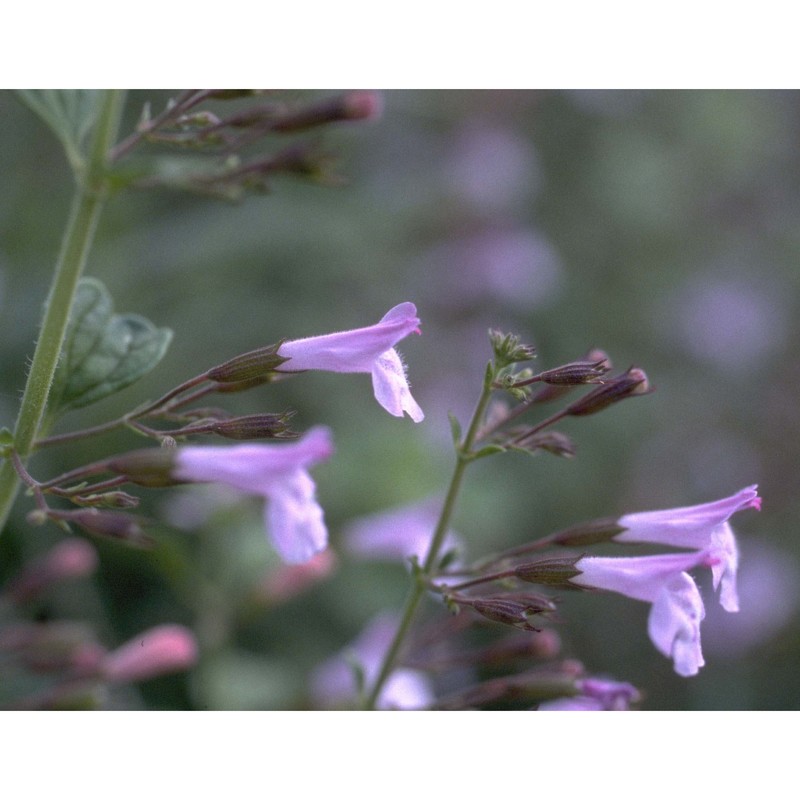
<point x="86" y="207"/>
<point x="424" y="573"/>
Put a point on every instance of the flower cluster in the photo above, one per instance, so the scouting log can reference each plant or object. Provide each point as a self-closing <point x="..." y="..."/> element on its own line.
<point x="279" y="473"/>
<point x="662" y="580"/>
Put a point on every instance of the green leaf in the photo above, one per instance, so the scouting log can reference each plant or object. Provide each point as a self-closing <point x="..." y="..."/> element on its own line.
<point x="488" y="450"/>
<point x="103" y="352"/>
<point x="455" y="428"/>
<point x="69" y="113"/>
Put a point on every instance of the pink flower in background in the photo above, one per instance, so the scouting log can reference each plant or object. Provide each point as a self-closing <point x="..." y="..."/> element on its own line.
<point x="702" y="527"/>
<point x="159" y="651"/>
<point x="289" y="580"/>
<point x="677" y="608"/>
<point x="277" y="472"/>
<point x="368" y="350"/>
<point x="595" y="695"/>
<point x="398" y="533"/>
<point x="68" y="560"/>
<point x="334" y="683"/>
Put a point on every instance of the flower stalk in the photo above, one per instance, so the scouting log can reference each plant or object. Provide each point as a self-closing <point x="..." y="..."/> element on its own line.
<point x="424" y="573"/>
<point x="88" y="202"/>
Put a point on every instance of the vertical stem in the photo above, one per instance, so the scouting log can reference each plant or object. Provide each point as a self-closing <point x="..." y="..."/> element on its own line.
<point x="420" y="584"/>
<point x="87" y="204"/>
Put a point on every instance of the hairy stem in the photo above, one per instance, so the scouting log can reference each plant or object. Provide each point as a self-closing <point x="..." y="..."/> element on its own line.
<point x="423" y="575"/>
<point x="87" y="204"/>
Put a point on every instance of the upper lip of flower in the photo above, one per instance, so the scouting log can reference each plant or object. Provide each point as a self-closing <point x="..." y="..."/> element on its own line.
<point x="370" y="350"/>
<point x="702" y="527"/>
<point x="354" y="350"/>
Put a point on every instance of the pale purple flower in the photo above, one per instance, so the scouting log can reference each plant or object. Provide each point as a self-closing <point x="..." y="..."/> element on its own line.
<point x="398" y="533"/>
<point x="277" y="472"/>
<point x="677" y="608"/>
<point x="595" y="695"/>
<point x="702" y="527"/>
<point x="369" y="350"/>
<point x="334" y="683"/>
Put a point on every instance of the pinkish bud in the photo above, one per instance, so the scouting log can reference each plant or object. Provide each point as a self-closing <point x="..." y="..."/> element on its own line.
<point x="158" y="651"/>
<point x="72" y="558"/>
<point x="630" y="383"/>
<point x="350" y="106"/>
<point x="53" y="646"/>
<point x="293" y="579"/>
<point x="362" y="105"/>
<point x="545" y="645"/>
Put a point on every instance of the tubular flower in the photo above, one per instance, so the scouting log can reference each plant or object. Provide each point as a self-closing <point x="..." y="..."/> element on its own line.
<point x="677" y="608"/>
<point x="595" y="694"/>
<point x="334" y="682"/>
<point x="369" y="350"/>
<point x="398" y="533"/>
<point x="277" y="472"/>
<point x="702" y="527"/>
<point x="158" y="651"/>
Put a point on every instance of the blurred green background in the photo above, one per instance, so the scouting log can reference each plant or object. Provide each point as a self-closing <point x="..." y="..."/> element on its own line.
<point x="660" y="226"/>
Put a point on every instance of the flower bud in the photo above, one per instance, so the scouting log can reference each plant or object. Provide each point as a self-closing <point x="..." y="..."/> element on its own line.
<point x="53" y="646"/>
<point x="243" y="386"/>
<point x="357" y="105"/>
<point x="159" y="651"/>
<point x="548" y="571"/>
<point x="588" y="533"/>
<point x="290" y="580"/>
<point x="630" y="383"/>
<point x="232" y="94"/>
<point x="575" y="373"/>
<point x="596" y="354"/>
<point x="527" y="687"/>
<point x="550" y="391"/>
<point x="254" y="426"/>
<point x="108" y="525"/>
<point x="509" y="610"/>
<point x="255" y="365"/>
<point x="115" y="499"/>
<point x="73" y="558"/>
<point x="559" y="444"/>
<point x="148" y="467"/>
<point x="508" y="350"/>
<point x="544" y="646"/>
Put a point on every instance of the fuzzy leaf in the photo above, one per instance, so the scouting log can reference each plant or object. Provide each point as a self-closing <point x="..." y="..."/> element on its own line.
<point x="455" y="428"/>
<point x="103" y="352"/>
<point x="69" y="113"/>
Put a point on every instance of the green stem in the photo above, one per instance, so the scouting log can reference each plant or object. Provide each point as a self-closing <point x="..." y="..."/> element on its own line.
<point x="90" y="194"/>
<point x="426" y="572"/>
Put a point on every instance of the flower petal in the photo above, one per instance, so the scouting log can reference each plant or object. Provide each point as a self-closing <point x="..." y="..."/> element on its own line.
<point x="295" y="520"/>
<point x="354" y="350"/>
<point x="725" y="553"/>
<point x="391" y="387"/>
<point x="674" y="624"/>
